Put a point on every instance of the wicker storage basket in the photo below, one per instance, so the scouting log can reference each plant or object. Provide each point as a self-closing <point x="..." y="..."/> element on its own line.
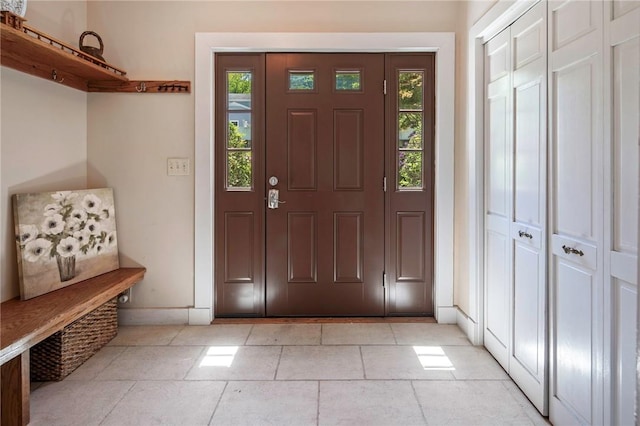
<point x="57" y="356"/>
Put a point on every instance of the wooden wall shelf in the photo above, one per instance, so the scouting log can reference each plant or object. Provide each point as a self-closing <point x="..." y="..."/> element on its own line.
<point x="34" y="52"/>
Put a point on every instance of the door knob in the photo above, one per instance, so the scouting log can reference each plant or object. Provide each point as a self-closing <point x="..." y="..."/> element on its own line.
<point x="273" y="199"/>
<point x="525" y="234"/>
<point x="572" y="250"/>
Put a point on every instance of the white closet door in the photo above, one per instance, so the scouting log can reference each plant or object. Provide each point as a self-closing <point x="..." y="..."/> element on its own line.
<point x="527" y="365"/>
<point x="576" y="166"/>
<point x="622" y="105"/>
<point x="498" y="203"/>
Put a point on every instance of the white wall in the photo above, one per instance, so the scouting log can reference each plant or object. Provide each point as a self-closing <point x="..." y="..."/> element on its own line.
<point x="131" y="135"/>
<point x="43" y="133"/>
<point x="470" y="13"/>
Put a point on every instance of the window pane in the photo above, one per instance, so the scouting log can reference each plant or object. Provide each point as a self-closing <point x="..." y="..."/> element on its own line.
<point x="410" y="170"/>
<point x="348" y="80"/>
<point x="301" y="80"/>
<point x="239" y="169"/>
<point x="239" y="90"/>
<point x="410" y="90"/>
<point x="410" y="130"/>
<point x="239" y="135"/>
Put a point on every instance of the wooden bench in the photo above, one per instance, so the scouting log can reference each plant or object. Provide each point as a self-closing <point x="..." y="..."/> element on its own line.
<point x="24" y="324"/>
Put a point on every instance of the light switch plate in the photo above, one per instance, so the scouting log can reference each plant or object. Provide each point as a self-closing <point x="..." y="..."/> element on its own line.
<point x="178" y="167"/>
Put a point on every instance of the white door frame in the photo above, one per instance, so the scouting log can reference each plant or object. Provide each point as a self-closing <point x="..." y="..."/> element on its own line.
<point x="207" y="44"/>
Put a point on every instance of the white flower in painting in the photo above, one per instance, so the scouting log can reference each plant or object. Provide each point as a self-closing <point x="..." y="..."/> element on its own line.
<point x="82" y="237"/>
<point x="53" y="225"/>
<point x="91" y="203"/>
<point x="92" y="226"/>
<point x="68" y="247"/>
<point x="51" y="209"/>
<point x="35" y="249"/>
<point x="78" y="214"/>
<point x="73" y="225"/>
<point x="27" y="233"/>
<point x="111" y="239"/>
<point x="64" y="197"/>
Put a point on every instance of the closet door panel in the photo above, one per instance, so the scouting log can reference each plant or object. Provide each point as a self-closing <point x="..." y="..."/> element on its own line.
<point x="498" y="154"/>
<point x="572" y="373"/>
<point x="576" y="213"/>
<point x="529" y="38"/>
<point x="622" y="35"/>
<point x="624" y="353"/>
<point x="497" y="200"/>
<point x="570" y="21"/>
<point x="528" y="354"/>
<point x="622" y="7"/>
<point x="574" y="149"/>
<point x="529" y="142"/>
<point x="497" y="285"/>
<point x="626" y="122"/>
<point x="527" y="296"/>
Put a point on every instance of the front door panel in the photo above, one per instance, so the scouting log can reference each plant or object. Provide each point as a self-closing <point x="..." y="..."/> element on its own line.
<point x="325" y="139"/>
<point x="239" y="183"/>
<point x="410" y="182"/>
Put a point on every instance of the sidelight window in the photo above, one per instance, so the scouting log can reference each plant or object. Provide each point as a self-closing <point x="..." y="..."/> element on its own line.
<point x="239" y="173"/>
<point x="410" y="116"/>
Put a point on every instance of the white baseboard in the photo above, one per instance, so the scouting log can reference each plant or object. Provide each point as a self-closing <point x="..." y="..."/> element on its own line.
<point x="200" y="316"/>
<point x="446" y="314"/>
<point x="469" y="327"/>
<point x="152" y="316"/>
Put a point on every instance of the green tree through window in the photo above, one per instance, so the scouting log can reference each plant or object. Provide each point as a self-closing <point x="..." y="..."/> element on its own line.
<point x="348" y="81"/>
<point x="238" y="162"/>
<point x="410" y="119"/>
<point x="239" y="165"/>
<point x="239" y="82"/>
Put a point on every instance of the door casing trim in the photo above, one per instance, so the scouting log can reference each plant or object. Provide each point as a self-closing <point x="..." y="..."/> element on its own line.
<point x="207" y="44"/>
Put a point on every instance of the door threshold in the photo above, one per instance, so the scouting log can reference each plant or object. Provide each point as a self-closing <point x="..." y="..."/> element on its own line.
<point x="326" y="320"/>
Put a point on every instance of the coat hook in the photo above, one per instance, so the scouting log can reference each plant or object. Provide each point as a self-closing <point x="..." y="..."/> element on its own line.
<point x="54" y="77"/>
<point x="142" y="87"/>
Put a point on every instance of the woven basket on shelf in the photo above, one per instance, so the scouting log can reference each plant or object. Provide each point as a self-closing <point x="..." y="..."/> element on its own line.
<point x="57" y="356"/>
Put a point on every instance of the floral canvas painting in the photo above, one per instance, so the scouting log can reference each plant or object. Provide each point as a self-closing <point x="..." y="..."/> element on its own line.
<point x="63" y="238"/>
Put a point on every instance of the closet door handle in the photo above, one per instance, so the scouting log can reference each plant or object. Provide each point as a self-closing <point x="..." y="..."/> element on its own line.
<point x="571" y="250"/>
<point x="525" y="234"/>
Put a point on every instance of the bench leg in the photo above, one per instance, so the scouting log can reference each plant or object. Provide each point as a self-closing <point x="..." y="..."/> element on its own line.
<point x="15" y="389"/>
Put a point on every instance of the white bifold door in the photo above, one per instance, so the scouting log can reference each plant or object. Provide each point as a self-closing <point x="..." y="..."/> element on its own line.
<point x="622" y="125"/>
<point x="594" y="94"/>
<point x="576" y="281"/>
<point x="562" y="123"/>
<point x="515" y="202"/>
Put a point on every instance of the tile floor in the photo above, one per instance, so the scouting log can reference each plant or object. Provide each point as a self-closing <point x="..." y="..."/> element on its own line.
<point x="286" y="374"/>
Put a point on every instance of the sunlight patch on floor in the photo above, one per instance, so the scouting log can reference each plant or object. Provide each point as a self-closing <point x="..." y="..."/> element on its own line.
<point x="219" y="356"/>
<point x="433" y="358"/>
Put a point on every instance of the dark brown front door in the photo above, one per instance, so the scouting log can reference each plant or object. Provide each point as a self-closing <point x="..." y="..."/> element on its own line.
<point x="325" y="133"/>
<point x="352" y="231"/>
